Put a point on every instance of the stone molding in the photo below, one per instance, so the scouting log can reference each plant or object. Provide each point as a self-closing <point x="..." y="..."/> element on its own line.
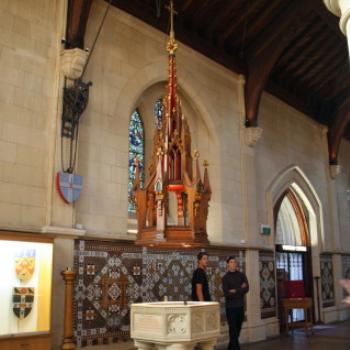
<point x="340" y="8"/>
<point x="333" y="6"/>
<point x="73" y="62"/>
<point x="252" y="135"/>
<point x="66" y="231"/>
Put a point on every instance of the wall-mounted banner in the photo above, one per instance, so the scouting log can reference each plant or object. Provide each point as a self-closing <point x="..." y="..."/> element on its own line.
<point x="69" y="186"/>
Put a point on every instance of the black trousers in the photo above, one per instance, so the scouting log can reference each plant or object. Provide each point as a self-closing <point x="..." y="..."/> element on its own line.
<point x="235" y="317"/>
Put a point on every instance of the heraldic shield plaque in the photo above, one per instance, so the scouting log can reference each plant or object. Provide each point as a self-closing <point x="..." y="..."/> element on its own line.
<point x="69" y="186"/>
<point x="22" y="299"/>
<point x="25" y="264"/>
<point x="26" y="284"/>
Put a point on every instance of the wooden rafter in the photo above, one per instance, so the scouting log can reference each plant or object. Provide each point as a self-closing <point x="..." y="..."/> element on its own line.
<point x="248" y="10"/>
<point x="267" y="52"/>
<point x="327" y="73"/>
<point x="77" y="17"/>
<point x="294" y="48"/>
<point x="222" y="14"/>
<point x="191" y="39"/>
<point x="261" y="20"/>
<point x="303" y="52"/>
<point x="203" y="11"/>
<point x="300" y="41"/>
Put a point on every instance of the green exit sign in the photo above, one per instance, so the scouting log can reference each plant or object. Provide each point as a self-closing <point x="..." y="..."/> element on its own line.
<point x="265" y="230"/>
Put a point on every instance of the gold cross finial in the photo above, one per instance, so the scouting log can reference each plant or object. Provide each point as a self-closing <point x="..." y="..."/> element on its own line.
<point x="172" y="46"/>
<point x="205" y="164"/>
<point x="196" y="154"/>
<point x="171" y="10"/>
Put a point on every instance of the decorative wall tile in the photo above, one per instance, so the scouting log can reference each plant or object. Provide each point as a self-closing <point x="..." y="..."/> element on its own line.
<point x="327" y="283"/>
<point x="267" y="284"/>
<point x="113" y="275"/>
<point x="346" y="269"/>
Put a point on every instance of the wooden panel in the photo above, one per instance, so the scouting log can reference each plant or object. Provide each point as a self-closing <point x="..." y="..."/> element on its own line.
<point x="25" y="236"/>
<point x="42" y="342"/>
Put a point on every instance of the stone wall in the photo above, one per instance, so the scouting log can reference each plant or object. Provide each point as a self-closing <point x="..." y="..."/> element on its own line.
<point x="343" y="195"/>
<point x="129" y="61"/>
<point x="28" y="100"/>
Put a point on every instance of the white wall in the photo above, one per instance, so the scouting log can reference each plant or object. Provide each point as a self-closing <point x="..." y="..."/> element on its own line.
<point x="28" y="52"/>
<point x="343" y="195"/>
<point x="290" y="138"/>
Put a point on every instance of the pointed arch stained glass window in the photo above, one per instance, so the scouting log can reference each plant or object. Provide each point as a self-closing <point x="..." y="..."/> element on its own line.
<point x="136" y="150"/>
<point x="158" y="113"/>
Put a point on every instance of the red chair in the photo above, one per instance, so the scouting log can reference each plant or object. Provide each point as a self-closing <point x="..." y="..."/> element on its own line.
<point x="294" y="289"/>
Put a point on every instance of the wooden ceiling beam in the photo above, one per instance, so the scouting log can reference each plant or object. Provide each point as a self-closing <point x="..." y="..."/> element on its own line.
<point x="314" y="71"/>
<point x="260" y="21"/>
<point x="279" y="35"/>
<point x="298" y="42"/>
<point x="311" y="59"/>
<point x="339" y="86"/>
<point x="230" y="30"/>
<point x="189" y="38"/>
<point x="297" y="8"/>
<point x="337" y="130"/>
<point x="205" y="11"/>
<point x="327" y="73"/>
<point x="222" y="14"/>
<point x="77" y="17"/>
<point x="302" y="54"/>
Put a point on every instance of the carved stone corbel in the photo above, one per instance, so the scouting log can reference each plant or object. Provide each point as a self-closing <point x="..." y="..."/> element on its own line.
<point x="252" y="135"/>
<point x="73" y="62"/>
<point x="334" y="170"/>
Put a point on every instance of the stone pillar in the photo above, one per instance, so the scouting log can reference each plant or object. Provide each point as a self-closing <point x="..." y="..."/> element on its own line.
<point x="256" y="329"/>
<point x="341" y="8"/>
<point x="248" y="139"/>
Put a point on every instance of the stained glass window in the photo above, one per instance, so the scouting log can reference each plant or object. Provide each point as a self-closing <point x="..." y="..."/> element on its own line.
<point x="136" y="150"/>
<point x="158" y="113"/>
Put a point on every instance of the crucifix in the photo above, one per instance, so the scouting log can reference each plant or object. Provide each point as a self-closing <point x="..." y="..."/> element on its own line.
<point x="171" y="10"/>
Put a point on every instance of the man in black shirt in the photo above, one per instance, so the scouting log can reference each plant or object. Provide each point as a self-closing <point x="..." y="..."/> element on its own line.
<point x="200" y="286"/>
<point x="234" y="285"/>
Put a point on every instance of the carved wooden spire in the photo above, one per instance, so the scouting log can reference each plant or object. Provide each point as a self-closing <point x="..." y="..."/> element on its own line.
<point x="172" y="208"/>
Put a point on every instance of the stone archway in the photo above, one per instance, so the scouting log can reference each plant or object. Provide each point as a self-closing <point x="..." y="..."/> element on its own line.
<point x="142" y="83"/>
<point x="293" y="178"/>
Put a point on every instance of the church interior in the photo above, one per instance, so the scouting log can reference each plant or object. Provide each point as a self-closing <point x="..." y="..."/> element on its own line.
<point x="135" y="134"/>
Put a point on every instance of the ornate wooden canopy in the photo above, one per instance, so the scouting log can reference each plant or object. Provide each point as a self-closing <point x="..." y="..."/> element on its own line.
<point x="172" y="208"/>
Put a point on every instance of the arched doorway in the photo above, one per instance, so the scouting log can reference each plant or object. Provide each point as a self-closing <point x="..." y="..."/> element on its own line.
<point x="293" y="252"/>
<point x="293" y="178"/>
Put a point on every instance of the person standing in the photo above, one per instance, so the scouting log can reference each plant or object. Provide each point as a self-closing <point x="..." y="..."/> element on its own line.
<point x="200" y="286"/>
<point x="235" y="285"/>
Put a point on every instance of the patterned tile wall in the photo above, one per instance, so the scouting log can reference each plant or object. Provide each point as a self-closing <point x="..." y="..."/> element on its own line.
<point x="327" y="280"/>
<point x="346" y="269"/>
<point x="267" y="284"/>
<point x="111" y="276"/>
